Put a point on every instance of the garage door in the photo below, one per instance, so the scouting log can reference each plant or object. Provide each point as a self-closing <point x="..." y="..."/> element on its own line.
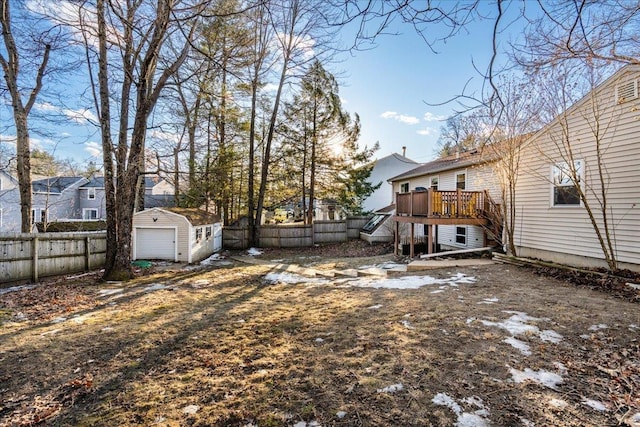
<point x="155" y="243"/>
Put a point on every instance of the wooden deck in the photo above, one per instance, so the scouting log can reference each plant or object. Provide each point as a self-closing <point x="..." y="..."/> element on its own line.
<point x="434" y="207"/>
<point x="442" y="207"/>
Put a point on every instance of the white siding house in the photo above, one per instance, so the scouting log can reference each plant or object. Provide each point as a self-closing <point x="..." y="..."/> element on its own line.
<point x="551" y="222"/>
<point x="175" y="234"/>
<point x="468" y="171"/>
<point x="383" y="169"/>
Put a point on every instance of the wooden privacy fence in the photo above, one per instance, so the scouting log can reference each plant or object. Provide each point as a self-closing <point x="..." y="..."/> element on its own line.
<point x="30" y="256"/>
<point x="295" y="235"/>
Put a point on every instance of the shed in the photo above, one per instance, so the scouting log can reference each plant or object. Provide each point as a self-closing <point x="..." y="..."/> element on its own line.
<point x="175" y="234"/>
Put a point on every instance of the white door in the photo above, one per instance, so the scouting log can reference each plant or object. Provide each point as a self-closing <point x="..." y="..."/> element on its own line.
<point x="156" y="243"/>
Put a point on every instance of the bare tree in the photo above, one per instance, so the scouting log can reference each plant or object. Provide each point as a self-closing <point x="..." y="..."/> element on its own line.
<point x="16" y="51"/>
<point x="567" y="149"/>
<point x="133" y="68"/>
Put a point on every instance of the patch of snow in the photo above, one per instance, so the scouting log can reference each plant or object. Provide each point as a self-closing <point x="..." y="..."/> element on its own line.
<point x="254" y="252"/>
<point x="391" y="389"/>
<point x="77" y="276"/>
<point x="290" y="278"/>
<point x="437" y="291"/>
<point x="633" y="327"/>
<point x="595" y="404"/>
<point x="107" y="292"/>
<point x="16" y="288"/>
<point x="489" y="300"/>
<point x="526" y="423"/>
<point x="585" y="336"/>
<point x="51" y="332"/>
<point x="471" y="420"/>
<point x="636" y="418"/>
<point x="154" y="287"/>
<point x="191" y="409"/>
<point x="464" y="419"/>
<point x="341" y="414"/>
<point x="520" y="345"/>
<point x="408" y="282"/>
<point x="443" y="399"/>
<point x="319" y="340"/>
<point x="545" y="378"/>
<point x="515" y="325"/>
<point x="59" y="320"/>
<point x="307" y="424"/>
<point x="406" y="324"/>
<point x="598" y="327"/>
<point x="550" y="336"/>
<point x="107" y="329"/>
<point x="558" y="403"/>
<point x="374" y="307"/>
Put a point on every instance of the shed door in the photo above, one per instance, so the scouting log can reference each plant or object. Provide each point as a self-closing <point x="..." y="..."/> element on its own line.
<point x="155" y="243"/>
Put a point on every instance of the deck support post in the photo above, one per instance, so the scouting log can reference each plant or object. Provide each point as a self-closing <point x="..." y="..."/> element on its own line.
<point x="397" y="238"/>
<point x="411" y="244"/>
<point x="429" y="238"/>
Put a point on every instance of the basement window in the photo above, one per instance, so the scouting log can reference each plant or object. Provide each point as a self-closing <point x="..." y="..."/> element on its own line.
<point x="626" y="91"/>
<point x="461" y="235"/>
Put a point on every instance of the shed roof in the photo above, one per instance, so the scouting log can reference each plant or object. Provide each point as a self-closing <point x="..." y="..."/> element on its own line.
<point x="194" y="215"/>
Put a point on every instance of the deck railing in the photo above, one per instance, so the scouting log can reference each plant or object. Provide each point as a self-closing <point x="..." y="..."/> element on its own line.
<point x="447" y="204"/>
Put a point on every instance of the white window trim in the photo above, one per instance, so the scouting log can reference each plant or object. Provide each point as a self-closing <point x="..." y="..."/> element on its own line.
<point x="1" y="183"/>
<point x="552" y="185"/>
<point x="437" y="177"/>
<point x="91" y="193"/>
<point x="466" y="235"/>
<point x="0" y="217"/>
<point x="466" y="178"/>
<point x="85" y="210"/>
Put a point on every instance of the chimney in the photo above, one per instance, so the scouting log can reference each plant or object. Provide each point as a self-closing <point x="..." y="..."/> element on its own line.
<point x="404" y="151"/>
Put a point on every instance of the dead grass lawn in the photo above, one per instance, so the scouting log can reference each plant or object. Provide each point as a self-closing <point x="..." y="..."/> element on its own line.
<point x="221" y="347"/>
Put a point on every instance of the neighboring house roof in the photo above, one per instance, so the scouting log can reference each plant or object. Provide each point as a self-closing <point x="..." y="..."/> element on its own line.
<point x="387" y="209"/>
<point x="194" y="215"/>
<point x="400" y="158"/>
<point x="54" y="185"/>
<point x="94" y="182"/>
<point x="98" y="182"/>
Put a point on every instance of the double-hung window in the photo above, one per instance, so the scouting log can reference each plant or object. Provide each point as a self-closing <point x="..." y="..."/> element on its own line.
<point x="565" y="180"/>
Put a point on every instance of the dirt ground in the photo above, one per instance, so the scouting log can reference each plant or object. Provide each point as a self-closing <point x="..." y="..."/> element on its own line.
<point x="492" y="345"/>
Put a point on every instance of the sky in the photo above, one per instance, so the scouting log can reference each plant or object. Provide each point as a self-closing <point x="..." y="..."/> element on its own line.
<point x="396" y="87"/>
<point x="393" y="86"/>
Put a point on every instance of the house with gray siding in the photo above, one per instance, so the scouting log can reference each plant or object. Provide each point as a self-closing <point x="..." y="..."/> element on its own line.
<point x="600" y="137"/>
<point x="55" y="198"/>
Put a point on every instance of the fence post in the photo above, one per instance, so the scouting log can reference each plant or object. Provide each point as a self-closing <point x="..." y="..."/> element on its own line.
<point x="34" y="266"/>
<point x="87" y="253"/>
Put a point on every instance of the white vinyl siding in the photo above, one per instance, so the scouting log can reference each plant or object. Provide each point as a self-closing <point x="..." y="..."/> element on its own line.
<point x="541" y="228"/>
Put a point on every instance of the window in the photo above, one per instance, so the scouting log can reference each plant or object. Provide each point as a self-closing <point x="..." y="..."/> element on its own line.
<point x="564" y="189"/>
<point x="461" y="235"/>
<point x="626" y="91"/>
<point x="207" y="232"/>
<point x="404" y="188"/>
<point x="89" y="214"/>
<point x="461" y="181"/>
<point x="91" y="193"/>
<point x="434" y="183"/>
<point x="198" y="234"/>
<point x="38" y="215"/>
